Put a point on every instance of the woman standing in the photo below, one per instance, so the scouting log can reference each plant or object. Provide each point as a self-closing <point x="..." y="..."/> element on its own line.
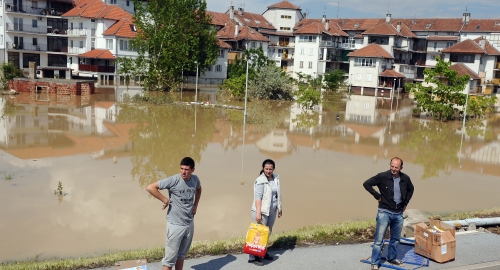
<point x="267" y="202"/>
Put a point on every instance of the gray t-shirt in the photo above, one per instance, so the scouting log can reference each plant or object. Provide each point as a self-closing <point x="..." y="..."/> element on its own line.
<point x="181" y="194"/>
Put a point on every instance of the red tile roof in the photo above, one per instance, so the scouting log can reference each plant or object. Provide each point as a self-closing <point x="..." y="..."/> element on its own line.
<point x="223" y="44"/>
<point x="385" y="29"/>
<point x="253" y="20"/>
<point x="466" y="46"/>
<point x="373" y="51"/>
<point x="317" y="28"/>
<point x="244" y="33"/>
<point x="391" y="73"/>
<point x="218" y="18"/>
<point x="284" y="5"/>
<point x="490" y="50"/>
<point x="98" y="54"/>
<point x="462" y="69"/>
<point x="98" y="10"/>
<point x="122" y="28"/>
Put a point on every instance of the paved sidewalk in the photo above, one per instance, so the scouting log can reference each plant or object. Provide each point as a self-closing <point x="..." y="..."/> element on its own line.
<point x="475" y="250"/>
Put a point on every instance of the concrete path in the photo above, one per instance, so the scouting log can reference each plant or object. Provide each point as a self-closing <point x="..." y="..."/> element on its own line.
<point x="475" y="250"/>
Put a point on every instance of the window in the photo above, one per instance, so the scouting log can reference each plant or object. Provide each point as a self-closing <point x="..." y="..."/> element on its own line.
<point x="365" y="62"/>
<point x="218" y="68"/>
<point x="449" y="44"/>
<point x="109" y="44"/>
<point x="310" y="64"/>
<point x="286" y="16"/>
<point x="57" y="60"/>
<point x="80" y="26"/>
<point x="253" y="44"/>
<point x="81" y="44"/>
<point x="1" y="39"/>
<point x="34" y="4"/>
<point x="284" y="28"/>
<point x="311" y="51"/>
<point x="495" y="39"/>
<point x="358" y="77"/>
<point x="368" y="77"/>
<point x="34" y="23"/>
<point x="301" y="64"/>
<point x="13" y="57"/>
<point x="367" y="105"/>
<point x="18" y="24"/>
<point x="35" y="41"/>
<point x="209" y="68"/>
<point x="302" y="51"/>
<point x="128" y="3"/>
<point x="221" y="53"/>
<point x="30" y="57"/>
<point x="92" y="43"/>
<point x="307" y="38"/>
<point x="71" y="44"/>
<point x="1" y="20"/>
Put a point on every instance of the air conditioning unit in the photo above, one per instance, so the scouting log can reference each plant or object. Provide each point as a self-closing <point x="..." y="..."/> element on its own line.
<point x="40" y="18"/>
<point x="439" y="50"/>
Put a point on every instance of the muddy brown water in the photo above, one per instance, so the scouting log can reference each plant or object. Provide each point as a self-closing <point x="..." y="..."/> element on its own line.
<point x="104" y="154"/>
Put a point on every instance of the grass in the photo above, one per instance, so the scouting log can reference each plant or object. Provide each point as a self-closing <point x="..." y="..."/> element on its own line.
<point x="349" y="232"/>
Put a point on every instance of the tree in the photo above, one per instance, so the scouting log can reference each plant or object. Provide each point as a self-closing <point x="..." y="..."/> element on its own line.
<point x="442" y="91"/>
<point x="478" y="106"/>
<point x="9" y="72"/>
<point x="239" y="66"/>
<point x="309" y="90"/>
<point x="332" y="81"/>
<point x="172" y="36"/>
<point x="270" y="82"/>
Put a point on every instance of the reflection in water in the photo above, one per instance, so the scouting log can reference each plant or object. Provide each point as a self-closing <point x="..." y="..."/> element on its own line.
<point x="104" y="154"/>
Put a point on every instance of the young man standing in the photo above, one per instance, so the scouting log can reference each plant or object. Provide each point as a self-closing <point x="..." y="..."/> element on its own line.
<point x="184" y="191"/>
<point x="395" y="190"/>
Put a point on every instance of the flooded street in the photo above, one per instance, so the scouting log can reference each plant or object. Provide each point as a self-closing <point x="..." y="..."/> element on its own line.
<point x="73" y="171"/>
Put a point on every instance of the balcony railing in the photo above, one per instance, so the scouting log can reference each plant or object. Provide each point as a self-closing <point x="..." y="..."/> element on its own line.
<point x="26" y="46"/>
<point x="282" y="44"/>
<point x="29" y="9"/>
<point x="40" y="29"/>
<point x="348" y="45"/>
<point x="496" y="81"/>
<point x="76" y="32"/>
<point x="329" y="43"/>
<point x="76" y="50"/>
<point x="96" y="68"/>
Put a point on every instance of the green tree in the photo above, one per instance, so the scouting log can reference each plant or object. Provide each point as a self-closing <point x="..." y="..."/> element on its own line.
<point x="239" y="66"/>
<point x="235" y="87"/>
<point x="479" y="106"/>
<point x="270" y="82"/>
<point x="126" y="68"/>
<point x="9" y="72"/>
<point x="442" y="91"/>
<point x="309" y="90"/>
<point x="333" y="81"/>
<point x="172" y="36"/>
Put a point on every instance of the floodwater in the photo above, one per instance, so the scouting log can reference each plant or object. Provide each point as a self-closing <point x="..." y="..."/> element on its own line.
<point x="73" y="171"/>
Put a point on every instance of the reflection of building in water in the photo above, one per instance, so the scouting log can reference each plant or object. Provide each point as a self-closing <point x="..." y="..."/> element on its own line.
<point x="55" y="128"/>
<point x="305" y="121"/>
<point x="276" y="143"/>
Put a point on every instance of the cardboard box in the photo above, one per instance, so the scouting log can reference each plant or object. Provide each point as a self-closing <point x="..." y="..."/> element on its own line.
<point x="132" y="265"/>
<point x="441" y="246"/>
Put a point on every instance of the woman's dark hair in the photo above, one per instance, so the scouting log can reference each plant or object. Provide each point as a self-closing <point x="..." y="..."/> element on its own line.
<point x="267" y="161"/>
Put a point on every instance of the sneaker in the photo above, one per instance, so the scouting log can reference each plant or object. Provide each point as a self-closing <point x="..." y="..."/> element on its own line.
<point x="374" y="267"/>
<point x="256" y="261"/>
<point x="395" y="262"/>
<point x="268" y="257"/>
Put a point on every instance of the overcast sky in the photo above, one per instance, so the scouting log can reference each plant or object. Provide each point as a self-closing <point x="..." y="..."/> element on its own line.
<point x="373" y="8"/>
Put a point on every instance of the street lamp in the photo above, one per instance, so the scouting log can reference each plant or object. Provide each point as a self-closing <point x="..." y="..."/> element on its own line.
<point x="465" y="107"/>
<point x="196" y="97"/>
<point x="246" y="95"/>
<point x="392" y="92"/>
<point x="182" y="80"/>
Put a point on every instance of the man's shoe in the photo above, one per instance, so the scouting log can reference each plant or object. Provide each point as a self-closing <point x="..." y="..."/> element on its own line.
<point x="374" y="267"/>
<point x="256" y="261"/>
<point x="395" y="262"/>
<point x="268" y="257"/>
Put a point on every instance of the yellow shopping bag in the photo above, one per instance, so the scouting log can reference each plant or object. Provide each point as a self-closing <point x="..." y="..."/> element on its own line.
<point x="256" y="240"/>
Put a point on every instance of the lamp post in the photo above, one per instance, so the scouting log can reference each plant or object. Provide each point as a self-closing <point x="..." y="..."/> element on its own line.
<point x="182" y="80"/>
<point x="350" y="86"/>
<point x="246" y="96"/>
<point x="196" y="96"/>
<point x="392" y="92"/>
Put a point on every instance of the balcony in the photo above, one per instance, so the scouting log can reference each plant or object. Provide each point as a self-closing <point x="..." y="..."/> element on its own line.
<point x="96" y="68"/>
<point x="282" y="44"/>
<point x="76" y="50"/>
<point x="26" y="46"/>
<point x="496" y="81"/>
<point x="30" y="9"/>
<point x="25" y="28"/>
<point x="348" y="46"/>
<point x="76" y="32"/>
<point x="329" y="43"/>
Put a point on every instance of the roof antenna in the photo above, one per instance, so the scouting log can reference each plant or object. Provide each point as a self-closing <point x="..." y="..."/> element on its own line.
<point x="338" y="7"/>
<point x="389" y="8"/>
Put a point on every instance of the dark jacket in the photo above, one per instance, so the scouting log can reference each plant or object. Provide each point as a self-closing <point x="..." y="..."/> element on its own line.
<point x="385" y="185"/>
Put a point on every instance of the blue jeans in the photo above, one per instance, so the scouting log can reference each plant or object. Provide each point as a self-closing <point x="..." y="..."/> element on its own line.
<point x="385" y="220"/>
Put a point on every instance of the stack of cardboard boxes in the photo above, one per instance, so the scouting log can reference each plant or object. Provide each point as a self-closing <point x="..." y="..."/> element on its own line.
<point x="436" y="241"/>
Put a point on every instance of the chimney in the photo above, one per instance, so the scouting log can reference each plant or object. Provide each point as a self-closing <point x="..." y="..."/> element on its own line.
<point x="398" y="27"/>
<point x="327" y="25"/>
<point x="240" y="11"/>
<point x="466" y="18"/>
<point x="236" y="30"/>
<point x="388" y="18"/>
<point x="305" y="15"/>
<point x="482" y="43"/>
<point x="323" y="20"/>
<point x="231" y="12"/>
